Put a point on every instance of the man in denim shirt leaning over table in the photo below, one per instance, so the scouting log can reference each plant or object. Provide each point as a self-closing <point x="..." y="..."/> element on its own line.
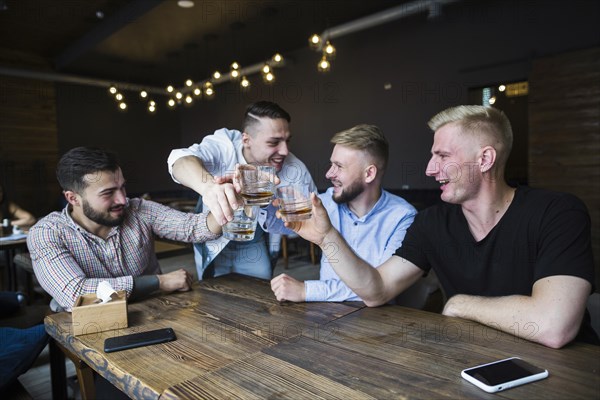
<point x="102" y="235"/>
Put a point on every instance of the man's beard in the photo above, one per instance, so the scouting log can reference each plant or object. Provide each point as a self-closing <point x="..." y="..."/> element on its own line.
<point x="101" y="218"/>
<point x="349" y="194"/>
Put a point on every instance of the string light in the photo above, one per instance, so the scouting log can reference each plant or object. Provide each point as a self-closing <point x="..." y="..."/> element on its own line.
<point x="329" y="51"/>
<point x="502" y="88"/>
<point x="245" y="83"/>
<point x="314" y="41"/>
<point x="324" y="65"/>
<point x="189" y="90"/>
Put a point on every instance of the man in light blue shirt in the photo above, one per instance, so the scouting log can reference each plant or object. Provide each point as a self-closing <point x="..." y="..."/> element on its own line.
<point x="372" y="220"/>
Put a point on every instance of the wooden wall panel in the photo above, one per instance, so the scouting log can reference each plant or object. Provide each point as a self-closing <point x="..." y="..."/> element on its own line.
<point x="564" y="117"/>
<point x="28" y="136"/>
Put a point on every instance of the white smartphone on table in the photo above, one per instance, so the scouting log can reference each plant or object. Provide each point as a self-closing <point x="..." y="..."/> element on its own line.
<point x="504" y="374"/>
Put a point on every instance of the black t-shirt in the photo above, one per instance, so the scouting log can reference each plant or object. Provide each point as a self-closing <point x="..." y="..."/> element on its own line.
<point x="542" y="234"/>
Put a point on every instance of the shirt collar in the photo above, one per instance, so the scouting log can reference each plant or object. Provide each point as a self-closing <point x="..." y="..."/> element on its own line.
<point x="380" y="203"/>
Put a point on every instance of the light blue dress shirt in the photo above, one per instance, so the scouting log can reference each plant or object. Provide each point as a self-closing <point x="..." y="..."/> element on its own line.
<point x="374" y="238"/>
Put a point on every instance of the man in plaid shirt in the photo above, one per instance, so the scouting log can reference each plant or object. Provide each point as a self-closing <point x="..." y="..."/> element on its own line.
<point x="102" y="235"/>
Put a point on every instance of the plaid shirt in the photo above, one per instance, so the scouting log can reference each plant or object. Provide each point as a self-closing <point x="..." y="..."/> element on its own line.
<point x="69" y="261"/>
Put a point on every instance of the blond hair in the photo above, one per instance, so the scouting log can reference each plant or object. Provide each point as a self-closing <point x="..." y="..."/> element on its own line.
<point x="367" y="138"/>
<point x="489" y="124"/>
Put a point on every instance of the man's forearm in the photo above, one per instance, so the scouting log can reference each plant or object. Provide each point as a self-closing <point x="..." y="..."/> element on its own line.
<point x="190" y="172"/>
<point x="359" y="276"/>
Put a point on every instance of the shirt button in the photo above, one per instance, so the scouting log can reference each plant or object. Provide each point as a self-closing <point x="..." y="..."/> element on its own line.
<point x="356" y="223"/>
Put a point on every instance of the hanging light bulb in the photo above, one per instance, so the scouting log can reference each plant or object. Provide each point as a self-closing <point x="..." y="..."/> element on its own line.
<point x="244" y="83"/>
<point x="216" y="75"/>
<point x="324" y="65"/>
<point x="112" y="89"/>
<point x="188" y="100"/>
<point x="171" y="103"/>
<point x="189" y="83"/>
<point x="178" y="95"/>
<point x="197" y="92"/>
<point x="235" y="70"/>
<point x="314" y="41"/>
<point x="170" y="89"/>
<point x="119" y="96"/>
<point x="122" y="106"/>
<point x="208" y="89"/>
<point x="329" y="50"/>
<point x="277" y="58"/>
<point x="502" y="88"/>
<point x="492" y="100"/>
<point x="151" y="106"/>
<point x="269" y="78"/>
<point x="266" y="69"/>
<point x="143" y="94"/>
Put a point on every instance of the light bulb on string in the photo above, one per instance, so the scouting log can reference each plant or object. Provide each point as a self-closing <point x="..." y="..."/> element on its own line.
<point x="170" y="89"/>
<point x="269" y="77"/>
<point x="119" y="96"/>
<point x="216" y="75"/>
<point x="277" y="58"/>
<point x="151" y="106"/>
<point x="171" y="103"/>
<point x="502" y="88"/>
<point x="266" y="69"/>
<point x="314" y="41"/>
<point x="112" y="89"/>
<point x="178" y="95"/>
<point x="329" y="50"/>
<point x="143" y="94"/>
<point x="235" y="65"/>
<point x="235" y="74"/>
<point x="245" y="83"/>
<point x="122" y="106"/>
<point x="189" y="83"/>
<point x="324" y="65"/>
<point x="188" y="100"/>
<point x="197" y="92"/>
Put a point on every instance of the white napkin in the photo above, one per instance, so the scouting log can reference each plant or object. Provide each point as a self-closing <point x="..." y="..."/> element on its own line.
<point x="104" y="292"/>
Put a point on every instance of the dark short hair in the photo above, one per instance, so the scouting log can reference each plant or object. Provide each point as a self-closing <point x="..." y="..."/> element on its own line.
<point x="75" y="164"/>
<point x="262" y="109"/>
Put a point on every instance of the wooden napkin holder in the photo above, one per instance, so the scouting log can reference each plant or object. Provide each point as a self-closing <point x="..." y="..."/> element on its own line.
<point x="91" y="317"/>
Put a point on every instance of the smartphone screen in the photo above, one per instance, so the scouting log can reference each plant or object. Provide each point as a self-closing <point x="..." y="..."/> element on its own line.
<point x="503" y="374"/>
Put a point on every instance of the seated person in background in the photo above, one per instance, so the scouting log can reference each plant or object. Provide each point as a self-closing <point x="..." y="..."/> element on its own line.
<point x="103" y="235"/>
<point x="264" y="139"/>
<point x="371" y="220"/>
<point x="17" y="216"/>
<point x="518" y="260"/>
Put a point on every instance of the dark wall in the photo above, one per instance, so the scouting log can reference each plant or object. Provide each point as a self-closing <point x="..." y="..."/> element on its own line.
<point x="429" y="64"/>
<point x="90" y="117"/>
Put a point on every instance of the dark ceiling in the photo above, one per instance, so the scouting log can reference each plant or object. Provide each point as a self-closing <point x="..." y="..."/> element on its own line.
<point x="156" y="42"/>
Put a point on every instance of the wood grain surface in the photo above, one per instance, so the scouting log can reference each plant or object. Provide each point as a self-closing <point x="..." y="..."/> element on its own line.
<point x="235" y="340"/>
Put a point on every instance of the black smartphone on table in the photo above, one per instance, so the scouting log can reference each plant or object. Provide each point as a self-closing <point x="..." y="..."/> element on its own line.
<point x="133" y="340"/>
<point x="504" y="374"/>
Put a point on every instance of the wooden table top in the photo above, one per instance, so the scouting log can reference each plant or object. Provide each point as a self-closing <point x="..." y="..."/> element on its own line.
<point x="234" y="339"/>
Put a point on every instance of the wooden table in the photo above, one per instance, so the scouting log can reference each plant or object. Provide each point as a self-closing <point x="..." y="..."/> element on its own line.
<point x="235" y="340"/>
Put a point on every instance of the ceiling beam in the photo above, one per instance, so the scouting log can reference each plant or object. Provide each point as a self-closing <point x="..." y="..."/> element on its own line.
<point x="110" y="25"/>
